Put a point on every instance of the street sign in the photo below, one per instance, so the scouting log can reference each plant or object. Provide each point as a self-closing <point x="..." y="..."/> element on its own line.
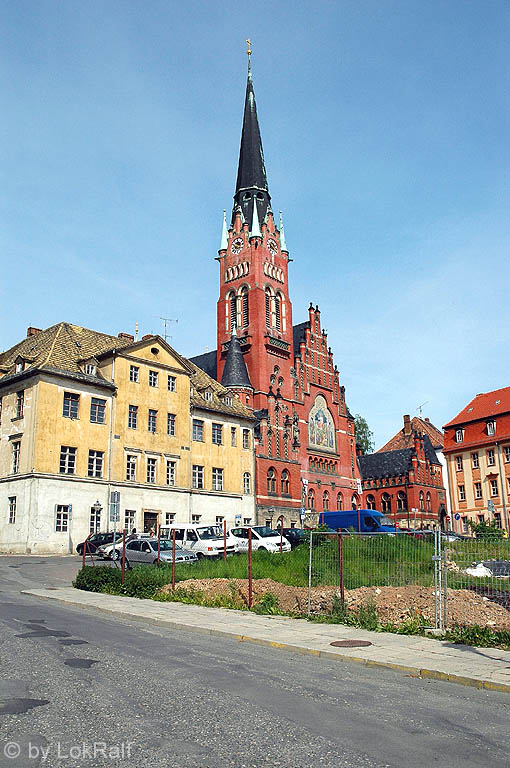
<point x="358" y="485"/>
<point x="114" y="506"/>
<point x="490" y="505"/>
<point x="457" y="516"/>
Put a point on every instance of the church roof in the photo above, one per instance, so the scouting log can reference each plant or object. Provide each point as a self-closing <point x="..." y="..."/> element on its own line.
<point x="207" y="362"/>
<point x="235" y="373"/>
<point x="393" y="463"/>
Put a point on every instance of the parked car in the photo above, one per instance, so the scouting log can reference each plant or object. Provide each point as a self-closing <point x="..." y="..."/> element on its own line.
<point x="499" y="569"/>
<point x="295" y="536"/>
<point x="262" y="538"/>
<point x="359" y="520"/>
<point x="146" y="551"/>
<point x="96" y="540"/>
<point x="110" y="551"/>
<point x="204" y="540"/>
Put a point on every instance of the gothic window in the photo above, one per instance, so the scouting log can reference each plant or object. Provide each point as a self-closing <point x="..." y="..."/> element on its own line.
<point x="339" y="501"/>
<point x="429" y="503"/>
<point x="233" y="310"/>
<point x="422" y="501"/>
<point x="244" y="307"/>
<point x="401" y="501"/>
<point x="325" y="501"/>
<point x="271" y="480"/>
<point x="311" y="499"/>
<point x="278" y="312"/>
<point x="385" y="503"/>
<point x="370" y="501"/>
<point x="354" y="501"/>
<point x="285" y="482"/>
<point x="268" y="307"/>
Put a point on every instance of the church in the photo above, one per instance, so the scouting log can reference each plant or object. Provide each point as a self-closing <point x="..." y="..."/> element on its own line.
<point x="284" y="372"/>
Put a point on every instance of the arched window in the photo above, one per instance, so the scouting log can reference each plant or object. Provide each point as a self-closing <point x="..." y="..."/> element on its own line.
<point x="285" y="482"/>
<point x="271" y="480"/>
<point x="233" y="310"/>
<point x="401" y="501"/>
<point x="244" y="307"/>
<point x="278" y="312"/>
<point x="246" y="483"/>
<point x="386" y="504"/>
<point x="354" y="501"/>
<point x="429" y="503"/>
<point x="370" y="501"/>
<point x="311" y="499"/>
<point x="268" y="307"/>
<point x="422" y="501"/>
<point x="339" y="501"/>
<point x="325" y="501"/>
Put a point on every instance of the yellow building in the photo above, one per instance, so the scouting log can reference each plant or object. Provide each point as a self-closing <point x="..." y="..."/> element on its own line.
<point x="85" y="414"/>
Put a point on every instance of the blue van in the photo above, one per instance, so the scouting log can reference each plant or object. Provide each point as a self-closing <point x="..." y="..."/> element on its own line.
<point x="360" y="520"/>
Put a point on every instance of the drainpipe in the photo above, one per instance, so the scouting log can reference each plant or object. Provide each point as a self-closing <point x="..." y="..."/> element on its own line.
<point x="110" y="446"/>
<point x="503" y="489"/>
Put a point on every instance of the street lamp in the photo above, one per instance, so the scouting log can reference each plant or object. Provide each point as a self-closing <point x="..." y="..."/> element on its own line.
<point x="97" y="511"/>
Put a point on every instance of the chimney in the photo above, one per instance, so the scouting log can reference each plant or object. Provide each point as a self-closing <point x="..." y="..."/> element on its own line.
<point x="31" y="331"/>
<point x="127" y="336"/>
<point x="147" y="336"/>
<point x="407" y="425"/>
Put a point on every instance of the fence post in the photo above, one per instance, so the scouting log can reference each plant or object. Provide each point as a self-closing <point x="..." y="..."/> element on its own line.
<point x="173" y="558"/>
<point x="359" y="522"/>
<point x="341" y="569"/>
<point x="281" y="534"/>
<point x="224" y="539"/>
<point x="434" y="558"/>
<point x="249" y="570"/>
<point x="444" y="596"/>
<point x="123" y="555"/>
<point x="85" y="547"/>
<point x="159" y="545"/>
<point x="310" y="574"/>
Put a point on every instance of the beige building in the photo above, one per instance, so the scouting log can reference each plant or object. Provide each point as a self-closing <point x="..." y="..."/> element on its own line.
<point x="84" y="415"/>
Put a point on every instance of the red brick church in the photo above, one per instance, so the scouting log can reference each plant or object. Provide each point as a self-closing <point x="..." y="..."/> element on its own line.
<point x="305" y="444"/>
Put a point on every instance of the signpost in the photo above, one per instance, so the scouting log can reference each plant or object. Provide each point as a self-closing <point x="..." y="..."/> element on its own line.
<point x="114" y="514"/>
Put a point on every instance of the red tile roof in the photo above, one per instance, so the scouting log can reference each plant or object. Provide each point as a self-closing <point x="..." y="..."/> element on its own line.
<point x="483" y="406"/>
<point x="422" y="426"/>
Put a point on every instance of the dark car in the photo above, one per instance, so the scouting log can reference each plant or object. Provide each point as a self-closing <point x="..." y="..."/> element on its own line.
<point x="295" y="536"/>
<point x="95" y="541"/>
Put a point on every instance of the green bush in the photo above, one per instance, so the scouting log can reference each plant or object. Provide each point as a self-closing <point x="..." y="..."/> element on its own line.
<point x="99" y="579"/>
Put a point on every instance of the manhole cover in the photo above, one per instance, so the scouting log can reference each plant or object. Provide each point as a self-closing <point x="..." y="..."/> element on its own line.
<point x="351" y="643"/>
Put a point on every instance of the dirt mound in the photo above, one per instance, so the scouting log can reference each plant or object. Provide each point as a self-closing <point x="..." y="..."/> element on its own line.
<point x="394" y="604"/>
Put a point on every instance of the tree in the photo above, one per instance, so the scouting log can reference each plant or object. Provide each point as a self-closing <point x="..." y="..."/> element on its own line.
<point x="486" y="530"/>
<point x="364" y="435"/>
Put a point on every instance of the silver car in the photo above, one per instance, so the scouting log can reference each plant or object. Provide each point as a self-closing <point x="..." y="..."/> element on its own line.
<point x="146" y="551"/>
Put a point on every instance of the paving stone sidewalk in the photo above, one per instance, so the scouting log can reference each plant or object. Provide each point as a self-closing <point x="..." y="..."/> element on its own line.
<point x="477" y="667"/>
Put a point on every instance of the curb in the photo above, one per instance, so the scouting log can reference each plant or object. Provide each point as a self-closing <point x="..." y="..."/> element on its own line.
<point x="431" y="674"/>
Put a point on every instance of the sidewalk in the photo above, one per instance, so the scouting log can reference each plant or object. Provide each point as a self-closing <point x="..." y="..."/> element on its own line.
<point x="476" y="667"/>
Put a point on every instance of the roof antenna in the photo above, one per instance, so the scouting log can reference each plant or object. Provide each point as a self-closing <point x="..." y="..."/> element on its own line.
<point x="136" y="331"/>
<point x="167" y="320"/>
<point x="420" y="407"/>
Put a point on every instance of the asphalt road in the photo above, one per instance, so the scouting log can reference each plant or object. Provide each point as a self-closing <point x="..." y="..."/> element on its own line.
<point x="150" y="696"/>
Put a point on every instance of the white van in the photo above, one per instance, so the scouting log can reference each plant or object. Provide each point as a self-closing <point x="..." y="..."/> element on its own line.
<point x="203" y="540"/>
<point x="262" y="538"/>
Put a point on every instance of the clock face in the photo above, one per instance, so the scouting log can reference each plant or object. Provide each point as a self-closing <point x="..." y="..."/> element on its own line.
<point x="273" y="247"/>
<point x="237" y="245"/>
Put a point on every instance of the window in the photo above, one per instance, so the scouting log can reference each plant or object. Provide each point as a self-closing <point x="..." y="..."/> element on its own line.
<point x="478" y="490"/>
<point x="170" y="424"/>
<point x="462" y="493"/>
<point x="271" y="480"/>
<point x="217" y="433"/>
<point x="233" y="436"/>
<point x="172" y="383"/>
<point x="494" y="487"/>
<point x="198" y="476"/>
<point x="340" y="501"/>
<point x="70" y="407"/>
<point x="217" y="479"/>
<point x="151" y="469"/>
<point x="385" y="503"/>
<point x="354" y="502"/>
<point x="198" y="430"/>
<point x="94" y="520"/>
<point x="465" y="525"/>
<point x="244" y="308"/>
<point x="151" y="424"/>
<point x="96" y="463"/>
<point x="133" y="417"/>
<point x="20" y="403"/>
<point x="458" y="463"/>
<point x="233" y="311"/>
<point x="208" y="395"/>
<point x="90" y="369"/>
<point x="61" y="518"/>
<point x="12" y="510"/>
<point x="497" y="519"/>
<point x="278" y="312"/>
<point x="228" y="400"/>
<point x="459" y="435"/>
<point x="269" y="522"/>
<point x="325" y="501"/>
<point x="490" y="457"/>
<point x="130" y="467"/>
<point x="507" y="453"/>
<point x="268" y="307"/>
<point x="480" y="518"/>
<point x="170" y="472"/>
<point x="246" y="520"/>
<point x="20" y="366"/>
<point x="67" y="460"/>
<point x="311" y="499"/>
<point x="422" y="501"/>
<point x="370" y="502"/>
<point x="169" y="518"/>
<point x="153" y="378"/>
<point x="246" y="483"/>
<point x="219" y="519"/>
<point x="246" y="438"/>
<point x="285" y="482"/>
<point x="195" y="519"/>
<point x="97" y="411"/>
<point x="429" y="503"/>
<point x="474" y="460"/>
<point x="16" y="448"/>
<point x="491" y="427"/>
<point x="401" y="502"/>
<point x="129" y="519"/>
<point x="134" y="373"/>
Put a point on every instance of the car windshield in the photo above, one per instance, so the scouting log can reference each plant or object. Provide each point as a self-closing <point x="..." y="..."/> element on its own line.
<point x="264" y="532"/>
<point x="164" y="546"/>
<point x="209" y="532"/>
<point x="385" y="521"/>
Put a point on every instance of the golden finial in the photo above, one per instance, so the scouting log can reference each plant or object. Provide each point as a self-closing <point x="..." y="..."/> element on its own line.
<point x="248" y="52"/>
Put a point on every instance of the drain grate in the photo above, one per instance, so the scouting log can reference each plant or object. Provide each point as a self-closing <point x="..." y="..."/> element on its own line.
<point x="351" y="643"/>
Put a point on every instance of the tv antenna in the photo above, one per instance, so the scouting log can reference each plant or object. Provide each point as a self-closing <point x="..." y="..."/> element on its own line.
<point x="165" y="321"/>
<point x="420" y="407"/>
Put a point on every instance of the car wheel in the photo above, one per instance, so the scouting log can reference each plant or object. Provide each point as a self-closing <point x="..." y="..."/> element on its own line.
<point x="200" y="555"/>
<point x="79" y="549"/>
<point x="262" y="549"/>
<point x="115" y="554"/>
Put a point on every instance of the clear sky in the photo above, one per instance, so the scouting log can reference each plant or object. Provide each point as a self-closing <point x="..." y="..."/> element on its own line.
<point x="385" y="126"/>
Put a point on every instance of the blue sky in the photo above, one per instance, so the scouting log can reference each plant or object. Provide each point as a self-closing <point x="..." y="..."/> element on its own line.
<point x="385" y="126"/>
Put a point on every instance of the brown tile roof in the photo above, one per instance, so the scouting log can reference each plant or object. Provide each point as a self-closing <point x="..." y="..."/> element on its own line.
<point x="201" y="381"/>
<point x="483" y="406"/>
<point x="423" y="427"/>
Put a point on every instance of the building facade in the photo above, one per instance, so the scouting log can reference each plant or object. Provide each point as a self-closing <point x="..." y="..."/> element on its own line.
<point x="477" y="451"/>
<point x="84" y="414"/>
<point x="305" y="446"/>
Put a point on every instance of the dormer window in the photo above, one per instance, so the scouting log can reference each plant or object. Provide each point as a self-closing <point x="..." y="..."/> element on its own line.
<point x="20" y="365"/>
<point x="491" y="427"/>
<point x="459" y="435"/>
<point x="90" y="369"/>
<point x="228" y="400"/>
<point x="208" y="395"/>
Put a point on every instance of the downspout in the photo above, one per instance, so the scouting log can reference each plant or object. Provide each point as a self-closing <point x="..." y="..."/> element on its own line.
<point x="110" y="447"/>
<point x="503" y="489"/>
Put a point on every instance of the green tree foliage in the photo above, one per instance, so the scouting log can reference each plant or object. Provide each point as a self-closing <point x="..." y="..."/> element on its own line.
<point x="486" y="530"/>
<point x="363" y="433"/>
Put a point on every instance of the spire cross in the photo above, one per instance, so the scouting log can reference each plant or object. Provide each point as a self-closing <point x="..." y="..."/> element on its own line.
<point x="248" y="52"/>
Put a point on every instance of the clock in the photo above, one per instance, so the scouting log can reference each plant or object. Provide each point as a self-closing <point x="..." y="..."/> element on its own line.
<point x="237" y="245"/>
<point x="272" y="245"/>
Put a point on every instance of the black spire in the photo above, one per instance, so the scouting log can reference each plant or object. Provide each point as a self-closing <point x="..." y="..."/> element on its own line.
<point x="251" y="173"/>
<point x="235" y="373"/>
